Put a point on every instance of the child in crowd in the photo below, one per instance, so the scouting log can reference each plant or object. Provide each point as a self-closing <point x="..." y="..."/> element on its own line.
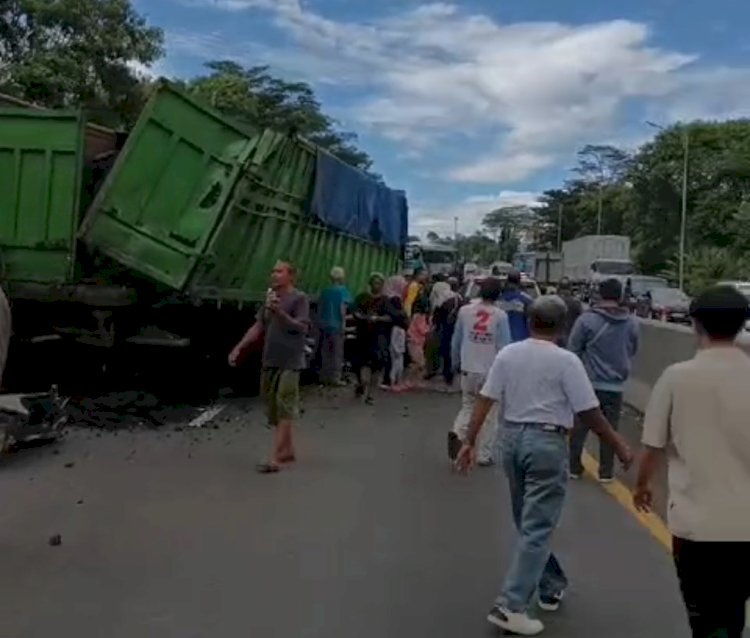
<point x="416" y="338"/>
<point x="398" y="349"/>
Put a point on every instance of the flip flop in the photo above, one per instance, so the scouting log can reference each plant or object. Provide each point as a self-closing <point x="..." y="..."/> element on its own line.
<point x="267" y="468"/>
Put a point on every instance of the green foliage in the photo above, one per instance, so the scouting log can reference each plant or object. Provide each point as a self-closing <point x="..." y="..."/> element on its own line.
<point x="71" y="53"/>
<point x="641" y="196"/>
<point x="62" y="53"/>
<point x="705" y="266"/>
<point x="256" y="98"/>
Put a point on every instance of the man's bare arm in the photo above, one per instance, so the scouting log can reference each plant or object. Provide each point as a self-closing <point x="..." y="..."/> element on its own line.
<point x="479" y="415"/>
<point x="651" y="457"/>
<point x="595" y="421"/>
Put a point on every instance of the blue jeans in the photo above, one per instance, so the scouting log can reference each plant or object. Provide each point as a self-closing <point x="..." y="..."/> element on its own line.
<point x="536" y="464"/>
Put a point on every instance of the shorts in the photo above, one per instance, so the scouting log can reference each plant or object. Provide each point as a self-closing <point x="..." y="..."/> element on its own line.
<point x="280" y="390"/>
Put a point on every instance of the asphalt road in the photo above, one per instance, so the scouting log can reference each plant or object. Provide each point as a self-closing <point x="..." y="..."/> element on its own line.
<point x="171" y="534"/>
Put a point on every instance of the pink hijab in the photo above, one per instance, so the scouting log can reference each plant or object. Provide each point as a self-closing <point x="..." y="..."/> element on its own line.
<point x="395" y="287"/>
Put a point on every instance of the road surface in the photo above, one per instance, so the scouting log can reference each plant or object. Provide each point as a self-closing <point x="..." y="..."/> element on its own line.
<point x="169" y="533"/>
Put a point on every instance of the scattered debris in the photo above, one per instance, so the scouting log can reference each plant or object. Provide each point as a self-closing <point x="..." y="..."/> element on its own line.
<point x="55" y="540"/>
<point x="70" y="464"/>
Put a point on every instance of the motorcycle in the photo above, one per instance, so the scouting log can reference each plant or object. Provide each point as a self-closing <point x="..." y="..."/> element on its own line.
<point x="31" y="419"/>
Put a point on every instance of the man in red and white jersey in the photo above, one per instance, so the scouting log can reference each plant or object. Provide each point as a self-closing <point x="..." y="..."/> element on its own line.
<point x="482" y="330"/>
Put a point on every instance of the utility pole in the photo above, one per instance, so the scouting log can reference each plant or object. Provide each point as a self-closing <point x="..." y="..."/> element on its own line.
<point x="599" y="213"/>
<point x="559" y="226"/>
<point x="683" y="208"/>
<point x="455" y="230"/>
<point x="683" y="217"/>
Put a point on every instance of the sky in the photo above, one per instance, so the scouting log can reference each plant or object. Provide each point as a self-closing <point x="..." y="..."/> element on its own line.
<point x="472" y="105"/>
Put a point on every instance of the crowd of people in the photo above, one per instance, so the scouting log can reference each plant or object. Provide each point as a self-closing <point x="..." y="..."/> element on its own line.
<point x="536" y="376"/>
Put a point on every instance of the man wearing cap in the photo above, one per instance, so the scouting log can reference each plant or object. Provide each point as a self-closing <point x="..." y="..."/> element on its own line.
<point x="516" y="302"/>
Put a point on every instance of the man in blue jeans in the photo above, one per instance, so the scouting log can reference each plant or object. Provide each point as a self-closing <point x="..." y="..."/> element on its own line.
<point x="540" y="387"/>
<point x="605" y="337"/>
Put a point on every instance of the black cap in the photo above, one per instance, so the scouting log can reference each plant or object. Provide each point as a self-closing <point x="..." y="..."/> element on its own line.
<point x="514" y="277"/>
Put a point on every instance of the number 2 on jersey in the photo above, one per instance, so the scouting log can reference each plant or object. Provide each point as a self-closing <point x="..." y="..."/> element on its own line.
<point x="483" y="320"/>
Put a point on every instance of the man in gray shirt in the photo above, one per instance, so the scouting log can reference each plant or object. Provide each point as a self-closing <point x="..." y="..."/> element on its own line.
<point x="283" y="323"/>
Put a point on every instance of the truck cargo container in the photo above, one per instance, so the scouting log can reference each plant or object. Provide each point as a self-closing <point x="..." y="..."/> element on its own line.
<point x="593" y="257"/>
<point x="189" y="215"/>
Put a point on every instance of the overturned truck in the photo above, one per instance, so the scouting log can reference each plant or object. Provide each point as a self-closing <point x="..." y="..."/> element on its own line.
<point x="166" y="238"/>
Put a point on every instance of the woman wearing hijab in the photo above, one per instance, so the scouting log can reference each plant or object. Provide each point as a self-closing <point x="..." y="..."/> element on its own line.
<point x="375" y="316"/>
<point x="444" y="305"/>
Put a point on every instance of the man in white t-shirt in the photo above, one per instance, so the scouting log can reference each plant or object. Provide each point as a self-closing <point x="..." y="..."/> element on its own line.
<point x="699" y="416"/>
<point x="540" y="388"/>
<point x="481" y="330"/>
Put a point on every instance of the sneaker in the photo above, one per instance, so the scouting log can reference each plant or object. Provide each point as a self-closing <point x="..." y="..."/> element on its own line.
<point x="551" y="603"/>
<point x="454" y="445"/>
<point x="485" y="462"/>
<point x="517" y="623"/>
<point x="575" y="476"/>
<point x="606" y="479"/>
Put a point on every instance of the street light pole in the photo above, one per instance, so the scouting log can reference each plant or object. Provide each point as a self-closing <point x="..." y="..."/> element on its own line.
<point x="559" y="227"/>
<point x="683" y="218"/>
<point x="683" y="208"/>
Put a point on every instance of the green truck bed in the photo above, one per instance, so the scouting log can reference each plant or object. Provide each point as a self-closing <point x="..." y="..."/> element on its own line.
<point x="205" y="207"/>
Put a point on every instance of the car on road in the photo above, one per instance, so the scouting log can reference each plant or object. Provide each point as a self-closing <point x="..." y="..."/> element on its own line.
<point x="664" y="304"/>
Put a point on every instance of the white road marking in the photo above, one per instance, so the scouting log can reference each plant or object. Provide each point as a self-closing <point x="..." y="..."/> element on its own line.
<point x="205" y="416"/>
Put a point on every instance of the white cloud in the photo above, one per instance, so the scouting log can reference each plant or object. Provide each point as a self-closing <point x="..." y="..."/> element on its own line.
<point x="155" y="70"/>
<point x="470" y="212"/>
<point x="531" y="93"/>
<point x="506" y="169"/>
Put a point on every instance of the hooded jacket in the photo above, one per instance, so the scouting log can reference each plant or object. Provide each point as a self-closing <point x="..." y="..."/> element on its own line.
<point x="606" y="340"/>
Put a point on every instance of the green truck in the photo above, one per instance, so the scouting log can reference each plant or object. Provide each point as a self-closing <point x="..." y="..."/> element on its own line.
<point x="167" y="237"/>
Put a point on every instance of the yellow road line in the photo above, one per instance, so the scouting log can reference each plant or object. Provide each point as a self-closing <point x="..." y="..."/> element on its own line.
<point x="625" y="498"/>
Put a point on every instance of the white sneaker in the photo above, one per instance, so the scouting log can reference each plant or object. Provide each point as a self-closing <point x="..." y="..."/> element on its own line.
<point x="517" y="623"/>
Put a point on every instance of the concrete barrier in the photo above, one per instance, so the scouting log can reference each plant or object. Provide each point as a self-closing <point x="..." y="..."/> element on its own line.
<point x="662" y="344"/>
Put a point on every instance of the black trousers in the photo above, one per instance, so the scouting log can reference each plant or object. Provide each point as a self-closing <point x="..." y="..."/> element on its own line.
<point x="715" y="587"/>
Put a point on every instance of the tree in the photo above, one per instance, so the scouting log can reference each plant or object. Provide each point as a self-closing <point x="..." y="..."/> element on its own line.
<point x="63" y="53"/>
<point x="705" y="266"/>
<point x="718" y="186"/>
<point x="601" y="166"/>
<point x="258" y="99"/>
<point x="505" y="225"/>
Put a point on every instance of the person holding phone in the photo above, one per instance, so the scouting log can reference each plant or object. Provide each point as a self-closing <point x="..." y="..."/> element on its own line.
<point x="282" y="323"/>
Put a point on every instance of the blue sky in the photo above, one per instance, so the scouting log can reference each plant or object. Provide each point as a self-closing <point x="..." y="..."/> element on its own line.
<point x="475" y="104"/>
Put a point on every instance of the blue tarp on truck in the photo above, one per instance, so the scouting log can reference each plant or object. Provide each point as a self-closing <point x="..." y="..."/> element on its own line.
<point x="348" y="200"/>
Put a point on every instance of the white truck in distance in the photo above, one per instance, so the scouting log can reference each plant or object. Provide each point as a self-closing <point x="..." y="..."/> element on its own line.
<point x="592" y="258"/>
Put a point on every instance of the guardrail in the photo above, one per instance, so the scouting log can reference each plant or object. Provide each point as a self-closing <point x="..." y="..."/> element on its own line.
<point x="662" y="344"/>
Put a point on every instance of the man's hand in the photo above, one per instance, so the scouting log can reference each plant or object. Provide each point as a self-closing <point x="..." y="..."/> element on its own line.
<point x="466" y="459"/>
<point x="623" y="452"/>
<point x="234" y="357"/>
<point x="643" y="499"/>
